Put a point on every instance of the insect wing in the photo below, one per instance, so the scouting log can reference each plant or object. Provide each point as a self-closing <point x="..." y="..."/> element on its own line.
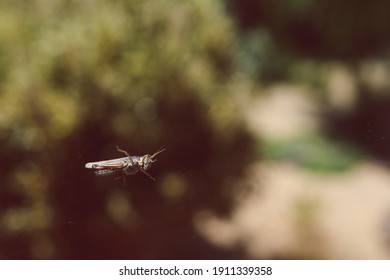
<point x="106" y="172"/>
<point x="107" y="164"/>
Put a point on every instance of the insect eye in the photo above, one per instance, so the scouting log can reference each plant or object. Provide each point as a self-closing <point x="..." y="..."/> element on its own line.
<point x="147" y="162"/>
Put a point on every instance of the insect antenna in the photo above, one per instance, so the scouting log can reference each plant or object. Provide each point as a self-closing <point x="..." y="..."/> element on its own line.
<point x="156" y="153"/>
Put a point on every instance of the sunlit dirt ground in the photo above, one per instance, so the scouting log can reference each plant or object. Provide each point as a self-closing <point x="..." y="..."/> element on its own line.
<point x="294" y="212"/>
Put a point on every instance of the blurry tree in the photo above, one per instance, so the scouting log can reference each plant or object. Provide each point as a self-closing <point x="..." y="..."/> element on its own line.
<point x="78" y="78"/>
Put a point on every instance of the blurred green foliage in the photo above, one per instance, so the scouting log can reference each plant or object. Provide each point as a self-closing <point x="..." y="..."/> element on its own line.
<point x="314" y="152"/>
<point x="60" y="58"/>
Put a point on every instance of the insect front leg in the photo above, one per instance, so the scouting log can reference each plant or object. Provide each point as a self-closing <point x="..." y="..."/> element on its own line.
<point x="147" y="174"/>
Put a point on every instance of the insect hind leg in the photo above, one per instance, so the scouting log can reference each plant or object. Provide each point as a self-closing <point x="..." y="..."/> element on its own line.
<point x="123" y="177"/>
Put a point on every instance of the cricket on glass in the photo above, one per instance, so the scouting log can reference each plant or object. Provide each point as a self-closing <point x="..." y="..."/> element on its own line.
<point x="121" y="167"/>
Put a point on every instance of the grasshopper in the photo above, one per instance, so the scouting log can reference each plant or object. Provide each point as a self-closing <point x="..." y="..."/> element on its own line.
<point x="128" y="165"/>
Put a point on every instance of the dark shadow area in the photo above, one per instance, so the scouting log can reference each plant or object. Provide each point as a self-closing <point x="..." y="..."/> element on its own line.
<point x="366" y="126"/>
<point x="345" y="30"/>
<point x="162" y="229"/>
<point x="159" y="227"/>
